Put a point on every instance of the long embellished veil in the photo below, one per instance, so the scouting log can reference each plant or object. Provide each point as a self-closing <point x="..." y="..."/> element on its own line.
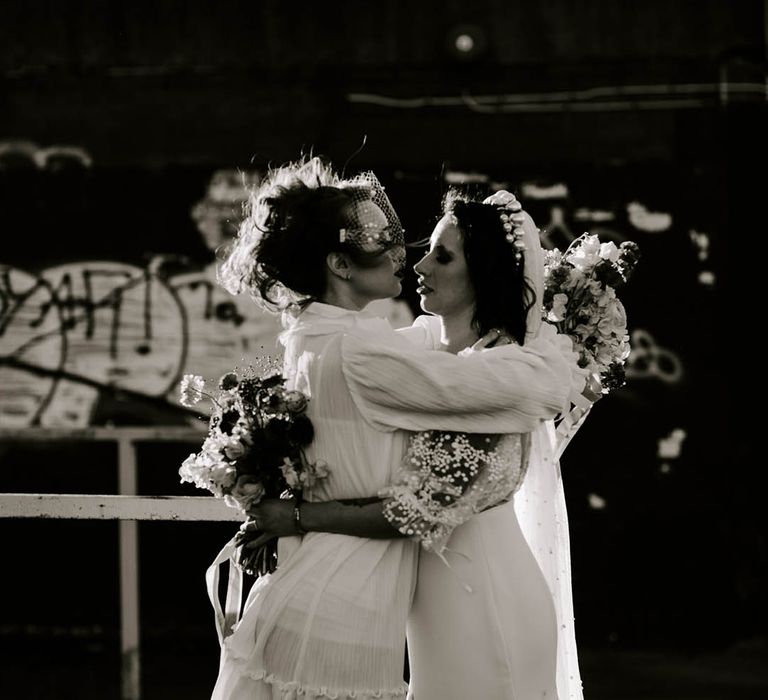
<point x="540" y="503"/>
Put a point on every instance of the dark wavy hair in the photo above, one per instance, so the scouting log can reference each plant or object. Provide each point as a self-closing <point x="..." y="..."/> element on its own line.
<point x="292" y="223"/>
<point x="502" y="294"/>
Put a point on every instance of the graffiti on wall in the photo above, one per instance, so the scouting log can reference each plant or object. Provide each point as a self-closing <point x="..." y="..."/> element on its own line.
<point x="72" y="332"/>
<point x="80" y="328"/>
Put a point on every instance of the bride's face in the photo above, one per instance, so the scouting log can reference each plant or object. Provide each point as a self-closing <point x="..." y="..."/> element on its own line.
<point x="443" y="276"/>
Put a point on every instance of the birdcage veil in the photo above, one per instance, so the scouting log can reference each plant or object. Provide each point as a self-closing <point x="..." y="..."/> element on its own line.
<point x="369" y="231"/>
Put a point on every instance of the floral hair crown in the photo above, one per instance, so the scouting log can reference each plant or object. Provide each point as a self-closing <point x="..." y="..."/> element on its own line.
<point x="512" y="219"/>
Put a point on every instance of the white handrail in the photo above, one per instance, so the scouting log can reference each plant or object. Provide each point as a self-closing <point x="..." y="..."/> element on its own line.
<point x="127" y="508"/>
<point x="108" y="507"/>
<point x="134" y="434"/>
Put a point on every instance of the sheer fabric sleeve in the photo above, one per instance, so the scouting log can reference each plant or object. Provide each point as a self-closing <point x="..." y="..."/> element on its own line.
<point x="502" y="390"/>
<point x="447" y="477"/>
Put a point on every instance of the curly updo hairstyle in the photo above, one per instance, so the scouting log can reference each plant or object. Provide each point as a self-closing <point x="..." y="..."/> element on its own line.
<point x="292" y="223"/>
<point x="502" y="294"/>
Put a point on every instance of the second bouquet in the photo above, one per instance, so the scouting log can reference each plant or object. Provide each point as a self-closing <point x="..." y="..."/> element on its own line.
<point x="257" y="433"/>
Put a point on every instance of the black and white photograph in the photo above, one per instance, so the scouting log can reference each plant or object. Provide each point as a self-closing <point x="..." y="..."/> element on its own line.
<point x="382" y="350"/>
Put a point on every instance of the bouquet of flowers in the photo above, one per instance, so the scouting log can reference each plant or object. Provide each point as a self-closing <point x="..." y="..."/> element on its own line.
<point x="257" y="433"/>
<point x="580" y="300"/>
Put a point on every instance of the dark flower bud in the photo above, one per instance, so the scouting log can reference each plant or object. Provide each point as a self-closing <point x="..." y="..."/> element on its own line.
<point x="228" y="421"/>
<point x="560" y="274"/>
<point x="248" y="388"/>
<point x="629" y="248"/>
<point x="250" y="464"/>
<point x="295" y="401"/>
<point x="258" y="439"/>
<point x="614" y="377"/>
<point x="275" y="402"/>
<point x="301" y="430"/>
<point x="228" y="381"/>
<point x="276" y="429"/>
<point x="607" y="274"/>
<point x="629" y="254"/>
<point x="272" y="380"/>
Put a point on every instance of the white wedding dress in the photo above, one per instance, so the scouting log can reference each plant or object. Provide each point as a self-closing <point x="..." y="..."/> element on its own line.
<point x="330" y="622"/>
<point x="488" y="628"/>
<point x="483" y="622"/>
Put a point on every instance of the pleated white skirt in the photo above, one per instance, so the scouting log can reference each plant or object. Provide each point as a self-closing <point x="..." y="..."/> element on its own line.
<point x="329" y="623"/>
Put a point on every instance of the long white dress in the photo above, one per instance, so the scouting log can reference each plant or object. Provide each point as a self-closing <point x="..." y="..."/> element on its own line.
<point x="495" y="640"/>
<point x="483" y="622"/>
<point x="330" y="622"/>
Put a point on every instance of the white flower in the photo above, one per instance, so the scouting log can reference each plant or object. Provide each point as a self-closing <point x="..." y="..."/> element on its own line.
<point x="221" y="478"/>
<point x="605" y="356"/>
<point x="190" y="469"/>
<point x="614" y="320"/>
<point x="290" y="474"/>
<point x="321" y="469"/>
<point x="559" y="304"/>
<point x="215" y="443"/>
<point x="586" y="254"/>
<point x="596" y="289"/>
<point x="191" y="391"/>
<point x="582" y="331"/>
<point x="609" y="251"/>
<point x="624" y="349"/>
<point x="207" y="472"/>
<point x="246" y="492"/>
<point x="235" y="450"/>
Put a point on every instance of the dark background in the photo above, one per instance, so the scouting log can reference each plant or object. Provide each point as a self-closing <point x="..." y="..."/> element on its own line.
<point x="657" y="102"/>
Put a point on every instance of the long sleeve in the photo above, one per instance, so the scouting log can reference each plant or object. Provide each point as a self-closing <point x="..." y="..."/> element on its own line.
<point x="447" y="477"/>
<point x="505" y="390"/>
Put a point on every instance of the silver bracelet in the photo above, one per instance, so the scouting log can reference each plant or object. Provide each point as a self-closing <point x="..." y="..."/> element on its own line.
<point x="297" y="519"/>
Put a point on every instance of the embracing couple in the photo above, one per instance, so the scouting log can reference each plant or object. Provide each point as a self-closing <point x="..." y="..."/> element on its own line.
<point x="442" y="516"/>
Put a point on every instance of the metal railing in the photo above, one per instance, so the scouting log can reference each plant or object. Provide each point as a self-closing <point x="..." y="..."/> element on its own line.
<point x="126" y="506"/>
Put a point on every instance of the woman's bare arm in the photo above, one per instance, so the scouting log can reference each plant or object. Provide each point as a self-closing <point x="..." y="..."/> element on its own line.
<point x="274" y="517"/>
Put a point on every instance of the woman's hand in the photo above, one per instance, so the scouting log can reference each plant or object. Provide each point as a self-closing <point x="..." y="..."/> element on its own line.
<point x="501" y="198"/>
<point x="270" y="518"/>
<point x="494" y="338"/>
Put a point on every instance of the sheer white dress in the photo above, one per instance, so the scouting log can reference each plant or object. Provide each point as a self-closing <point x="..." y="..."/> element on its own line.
<point x="330" y="622"/>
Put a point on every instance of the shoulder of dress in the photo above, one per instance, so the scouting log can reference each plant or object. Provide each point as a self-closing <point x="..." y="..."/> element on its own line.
<point x="427" y="321"/>
<point x="431" y="327"/>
